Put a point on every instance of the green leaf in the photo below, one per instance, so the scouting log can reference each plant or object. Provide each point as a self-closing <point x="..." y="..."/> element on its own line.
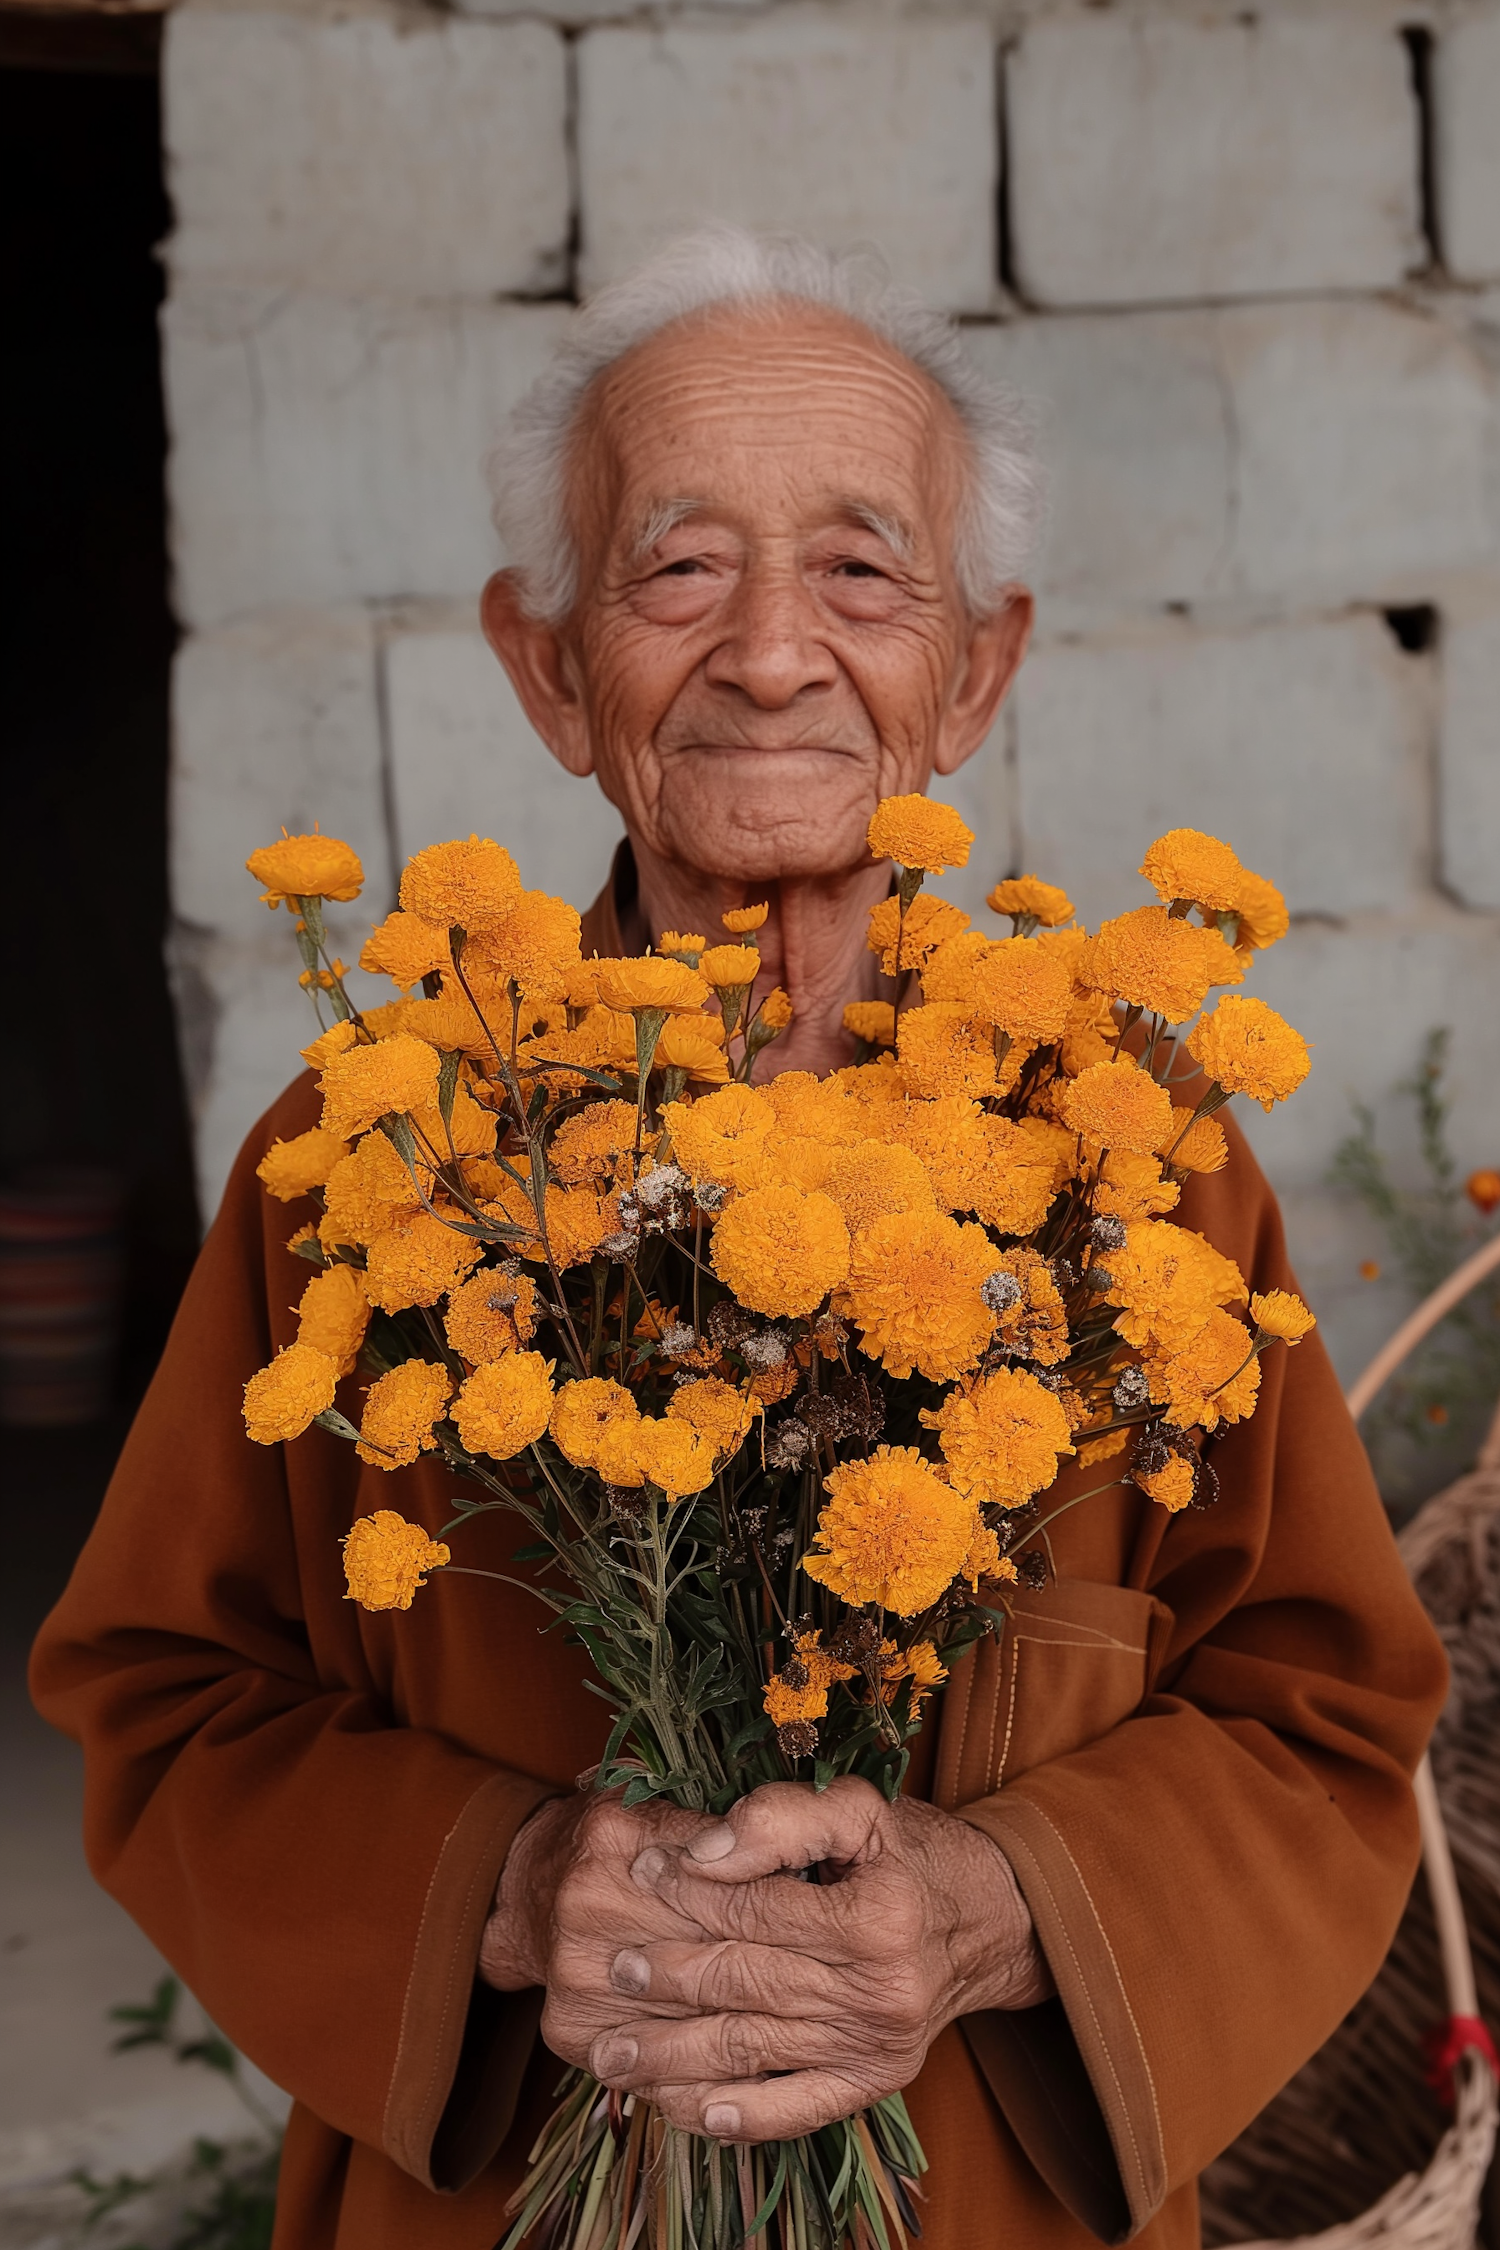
<point x="823" y="1774"/>
<point x="448" y="1086"/>
<point x="336" y="1424"/>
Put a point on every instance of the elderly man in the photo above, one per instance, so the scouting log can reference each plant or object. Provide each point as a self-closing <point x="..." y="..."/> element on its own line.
<point x="766" y="523"/>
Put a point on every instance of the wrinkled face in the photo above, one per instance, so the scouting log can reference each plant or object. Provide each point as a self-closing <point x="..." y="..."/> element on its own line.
<point x="768" y="635"/>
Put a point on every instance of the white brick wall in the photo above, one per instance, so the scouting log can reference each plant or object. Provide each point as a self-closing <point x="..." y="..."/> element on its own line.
<point x="1163" y="157"/>
<point x="1469" y="776"/>
<point x="367" y="154"/>
<point x="851" y="129"/>
<point x="1466" y="84"/>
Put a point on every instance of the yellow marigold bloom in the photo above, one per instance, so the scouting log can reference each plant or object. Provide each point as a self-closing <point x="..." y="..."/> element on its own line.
<point x="333" y="1314"/>
<point x="367" y="1192"/>
<point x="490" y="1314"/>
<point x="594" y="1144"/>
<point x="674" y="1456"/>
<point x="1246" y="1048"/>
<point x="386" y="1559"/>
<point x="535" y="947"/>
<point x="417" y="1261"/>
<point x="1001" y="1439"/>
<point x="871" y="1179"/>
<point x="682" y="945"/>
<point x="1021" y="989"/>
<point x="1154" y="962"/>
<point x="720" y="1414"/>
<point x="948" y="972"/>
<point x="1263" y="918"/>
<point x="306" y="867"/>
<point x="1213" y="1377"/>
<point x="1168" y="1281"/>
<point x="1119" y="1105"/>
<point x="683" y="1046"/>
<point x="583" y="1411"/>
<point x="1281" y="1314"/>
<point x="365" y="1083"/>
<point x="406" y="949"/>
<point x="891" y="1532"/>
<point x="785" y="1706"/>
<point x="775" y="1011"/>
<point x="505" y="1405"/>
<point x="945" y="1048"/>
<point x="283" y="1398"/>
<point x="920" y="1664"/>
<point x="929" y="923"/>
<point x="874" y="1021"/>
<point x="915" y="832"/>
<point x="473" y="884"/>
<point x="1089" y="1035"/>
<point x="471" y="1129"/>
<point x="399" y="1413"/>
<point x="712" y="1138"/>
<point x="1100" y="1449"/>
<point x="1037" y="1323"/>
<point x="816" y="1107"/>
<point x="650" y="982"/>
<point x="292" y="1168"/>
<point x="577" y="1222"/>
<point x="913" y="1291"/>
<point x="1132" y="1187"/>
<point x="321" y="1051"/>
<point x="1187" y="864"/>
<point x="801" y="1690"/>
<point x="1173" y="1486"/>
<point x="786" y="1160"/>
<point x="452" y="1024"/>
<point x="741" y="920"/>
<point x="604" y="1040"/>
<point x="780" y="1251"/>
<point x="984" y="1559"/>
<point x="1029" y="895"/>
<point x="1199" y="1147"/>
<point x="728" y="967"/>
<point x="1005" y="1173"/>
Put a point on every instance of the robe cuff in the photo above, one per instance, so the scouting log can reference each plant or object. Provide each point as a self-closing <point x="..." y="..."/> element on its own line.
<point x="1072" y="2076"/>
<point x="463" y="2049"/>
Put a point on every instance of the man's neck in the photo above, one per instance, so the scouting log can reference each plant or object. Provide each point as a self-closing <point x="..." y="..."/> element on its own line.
<point x="812" y="944"/>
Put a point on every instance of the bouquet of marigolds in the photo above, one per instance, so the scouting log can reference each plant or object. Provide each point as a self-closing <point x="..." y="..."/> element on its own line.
<point x="777" y="1368"/>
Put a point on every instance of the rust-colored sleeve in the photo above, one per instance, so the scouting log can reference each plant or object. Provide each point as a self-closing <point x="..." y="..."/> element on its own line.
<point x="316" y="1866"/>
<point x="1217" y="1878"/>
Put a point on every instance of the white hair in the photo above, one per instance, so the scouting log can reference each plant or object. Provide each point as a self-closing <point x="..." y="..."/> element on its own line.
<point x="725" y="266"/>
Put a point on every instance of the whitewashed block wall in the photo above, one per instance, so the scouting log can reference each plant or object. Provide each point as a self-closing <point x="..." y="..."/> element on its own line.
<point x="1246" y="266"/>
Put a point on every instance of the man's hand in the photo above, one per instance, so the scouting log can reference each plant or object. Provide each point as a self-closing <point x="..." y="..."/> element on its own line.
<point x="838" y="1987"/>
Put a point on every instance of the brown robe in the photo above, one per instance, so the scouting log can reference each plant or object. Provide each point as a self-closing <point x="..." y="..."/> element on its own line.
<point x="1195" y="1752"/>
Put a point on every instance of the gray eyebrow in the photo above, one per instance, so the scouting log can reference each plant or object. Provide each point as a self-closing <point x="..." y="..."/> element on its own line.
<point x="897" y="535"/>
<point x="662" y="517"/>
<point x="665" y="515"/>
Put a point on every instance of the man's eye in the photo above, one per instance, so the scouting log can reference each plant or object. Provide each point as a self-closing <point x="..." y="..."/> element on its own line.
<point x="683" y="569"/>
<point x="851" y="568"/>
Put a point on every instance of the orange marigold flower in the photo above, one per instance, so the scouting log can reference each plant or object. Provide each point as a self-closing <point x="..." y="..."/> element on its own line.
<point x="741" y="920"/>
<point x="1247" y="1048"/>
<point x="386" y="1559"/>
<point x="800" y="1691"/>
<point x="945" y="1048"/>
<point x="1119" y="1105"/>
<point x="333" y="1314"/>
<point x="650" y="982"/>
<point x="780" y="1251"/>
<point x="292" y="1168"/>
<point x="535" y="947"/>
<point x="920" y="1664"/>
<point x="1027" y="897"/>
<point x="1261" y="909"/>
<point x="874" y="1021"/>
<point x="1483" y="1189"/>
<point x="1005" y="1173"/>
<point x="674" y="1456"/>
<point x="306" y="867"/>
<point x="594" y="1144"/>
<point x="1186" y="864"/>
<point x="1281" y="1314"/>
<point x="1173" y="1486"/>
<point x="775" y="1011"/>
<point x="711" y="1138"/>
<point x="1168" y="1281"/>
<point x="285" y="1397"/>
<point x="399" y="1413"/>
<point x="1155" y="962"/>
<point x="416" y="1261"/>
<point x="505" y="1405"/>
<point x="1098" y="1449"/>
<point x="815" y="1106"/>
<point x="914" y="1292"/>
<point x="367" y="1192"/>
<point x="1132" y="1187"/>
<point x="915" y="832"/>
<point x="728" y="968"/>
<point x="319" y="1053"/>
<point x="720" y="1414"/>
<point x="365" y="1083"/>
<point x="490" y="1314"/>
<point x="1034" y="1324"/>
<point x="1213" y="1377"/>
<point x="870" y="1179"/>
<point x="948" y="972"/>
<point x="681" y="945"/>
<point x="685" y="1045"/>
<point x="406" y="949"/>
<point x="1090" y="1034"/>
<point x="577" y="1222"/>
<point x="583" y="1411"/>
<point x="929" y="922"/>
<point x="473" y="884"/>
<point x="891" y="1532"/>
<point x="1021" y="989"/>
<point x="1001" y="1439"/>
<point x="1193" y="1147"/>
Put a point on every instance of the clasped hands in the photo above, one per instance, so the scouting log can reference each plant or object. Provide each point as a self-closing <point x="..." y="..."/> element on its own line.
<point x="683" y="1962"/>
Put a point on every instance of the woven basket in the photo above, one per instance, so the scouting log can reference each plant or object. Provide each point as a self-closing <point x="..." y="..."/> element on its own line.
<point x="1358" y="2116"/>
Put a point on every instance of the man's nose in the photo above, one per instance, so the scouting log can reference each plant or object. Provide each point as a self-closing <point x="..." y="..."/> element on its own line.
<point x="773" y="650"/>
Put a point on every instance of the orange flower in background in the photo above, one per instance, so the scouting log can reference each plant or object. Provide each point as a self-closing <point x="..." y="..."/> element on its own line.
<point x="295" y="1167"/>
<point x="399" y="1413"/>
<point x="469" y="885"/>
<point x="781" y="1251"/>
<point x="1119" y="1105"/>
<point x="1247" y="1048"/>
<point x="741" y="920"/>
<point x="1158" y="963"/>
<point x="367" y="1192"/>
<point x="678" y="945"/>
<point x="1027" y="898"/>
<point x="319" y="1053"/>
<point x="674" y="1456"/>
<point x="1133" y="1187"/>
<point x="505" y="1405"/>
<point x="891" y="1532"/>
<point x="284" y="1398"/>
<point x="874" y="1021"/>
<point x="306" y="867"/>
<point x="915" y="832"/>
<point x="946" y="1048"/>
<point x="386" y="1560"/>
<point x="1483" y="1189"/>
<point x="870" y="1179"/>
<point x="406" y="949"/>
<point x="395" y="1076"/>
<point x="1168" y="1281"/>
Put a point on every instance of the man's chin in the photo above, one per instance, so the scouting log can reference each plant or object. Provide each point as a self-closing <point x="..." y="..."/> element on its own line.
<point x="761" y="815"/>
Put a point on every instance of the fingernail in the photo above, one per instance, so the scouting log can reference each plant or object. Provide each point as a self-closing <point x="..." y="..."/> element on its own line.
<point x="649" y="1867"/>
<point x="630" y="1972"/>
<point x="714" y="1843"/>
<point x="613" y="2055"/>
<point x="721" y="2121"/>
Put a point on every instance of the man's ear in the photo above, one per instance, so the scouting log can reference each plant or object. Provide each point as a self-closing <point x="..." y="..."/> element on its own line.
<point x="540" y="672"/>
<point x="997" y="643"/>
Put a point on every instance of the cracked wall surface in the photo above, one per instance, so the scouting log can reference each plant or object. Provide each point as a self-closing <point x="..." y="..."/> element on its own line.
<point x="1245" y="265"/>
